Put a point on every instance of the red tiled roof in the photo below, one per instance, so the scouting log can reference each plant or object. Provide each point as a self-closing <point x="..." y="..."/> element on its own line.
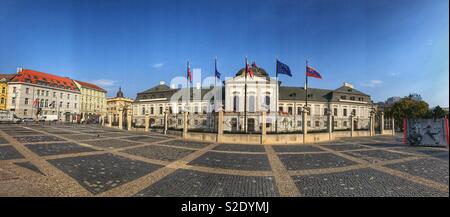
<point x="41" y="78"/>
<point x="89" y="85"/>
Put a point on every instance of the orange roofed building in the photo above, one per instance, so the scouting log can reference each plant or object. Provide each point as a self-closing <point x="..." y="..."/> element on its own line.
<point x="33" y="94"/>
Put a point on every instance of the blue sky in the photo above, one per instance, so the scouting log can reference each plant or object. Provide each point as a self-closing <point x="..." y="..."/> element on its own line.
<point x="384" y="47"/>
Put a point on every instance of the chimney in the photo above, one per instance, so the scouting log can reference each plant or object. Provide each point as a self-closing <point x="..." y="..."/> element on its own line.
<point x="19" y="69"/>
<point x="172" y="86"/>
<point x="162" y="82"/>
<point x="346" y="84"/>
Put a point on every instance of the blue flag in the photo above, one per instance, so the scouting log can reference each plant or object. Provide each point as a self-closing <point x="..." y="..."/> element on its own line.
<point x="217" y="73"/>
<point x="283" y="69"/>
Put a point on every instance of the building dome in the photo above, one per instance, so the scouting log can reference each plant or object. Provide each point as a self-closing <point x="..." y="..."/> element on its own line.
<point x="119" y="93"/>
<point x="260" y="72"/>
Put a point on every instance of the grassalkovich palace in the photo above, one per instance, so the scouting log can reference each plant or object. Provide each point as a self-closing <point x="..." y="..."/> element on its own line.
<point x="282" y="106"/>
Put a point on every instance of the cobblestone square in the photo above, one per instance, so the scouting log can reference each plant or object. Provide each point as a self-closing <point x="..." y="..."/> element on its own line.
<point x="233" y="161"/>
<point x="57" y="148"/>
<point x="314" y="161"/>
<point x="9" y="152"/>
<point x="71" y="160"/>
<point x="99" y="173"/>
<point x="185" y="183"/>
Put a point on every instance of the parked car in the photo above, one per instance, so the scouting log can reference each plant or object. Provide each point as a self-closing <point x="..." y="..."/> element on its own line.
<point x="48" y="118"/>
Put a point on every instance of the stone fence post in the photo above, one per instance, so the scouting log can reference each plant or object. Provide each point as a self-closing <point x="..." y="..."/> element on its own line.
<point x="330" y="125"/>
<point x="393" y="126"/>
<point x="352" y="126"/>
<point x="220" y="126"/>
<point x="263" y="128"/>
<point x="146" y="121"/>
<point x="166" y="121"/>
<point x="129" y="117"/>
<point x="185" y="124"/>
<point x="120" y="118"/>
<point x="304" y="123"/>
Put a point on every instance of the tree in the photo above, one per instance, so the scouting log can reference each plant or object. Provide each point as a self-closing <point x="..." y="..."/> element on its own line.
<point x="438" y="112"/>
<point x="407" y="108"/>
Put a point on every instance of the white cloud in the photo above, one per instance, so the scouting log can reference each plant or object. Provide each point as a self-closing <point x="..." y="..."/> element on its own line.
<point x="104" y="82"/>
<point x="373" y="83"/>
<point x="158" y="65"/>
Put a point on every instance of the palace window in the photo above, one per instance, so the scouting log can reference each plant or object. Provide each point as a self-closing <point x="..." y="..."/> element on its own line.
<point x="251" y="106"/>
<point x="317" y="124"/>
<point x="151" y="110"/>
<point x="3" y="89"/>
<point x="25" y="112"/>
<point x="280" y="108"/>
<point x="344" y="112"/>
<point x="290" y="110"/>
<point x="160" y="110"/>
<point x="335" y="111"/>
<point x="143" y="110"/>
<point x="27" y="90"/>
<point x="2" y="100"/>
<point x="352" y="98"/>
<point x="308" y="123"/>
<point x="235" y="103"/>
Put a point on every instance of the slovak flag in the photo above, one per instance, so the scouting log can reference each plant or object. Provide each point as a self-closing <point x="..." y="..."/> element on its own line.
<point x="311" y="72"/>
<point x="248" y="69"/>
<point x="36" y="103"/>
<point x="189" y="74"/>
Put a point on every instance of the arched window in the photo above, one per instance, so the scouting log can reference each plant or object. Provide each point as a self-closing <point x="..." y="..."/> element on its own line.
<point x="267" y="100"/>
<point x="235" y="103"/>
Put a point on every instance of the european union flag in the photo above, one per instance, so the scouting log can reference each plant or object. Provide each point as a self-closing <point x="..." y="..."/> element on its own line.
<point x="217" y="73"/>
<point x="283" y="69"/>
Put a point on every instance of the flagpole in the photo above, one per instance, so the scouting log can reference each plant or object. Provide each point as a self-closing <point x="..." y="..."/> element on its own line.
<point x="276" y="103"/>
<point x="187" y="87"/>
<point x="215" y="69"/>
<point x="306" y="86"/>
<point x="245" y="96"/>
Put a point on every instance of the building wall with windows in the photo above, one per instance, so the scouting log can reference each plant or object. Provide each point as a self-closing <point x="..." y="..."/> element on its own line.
<point x="92" y="100"/>
<point x="4" y="79"/>
<point x="30" y="90"/>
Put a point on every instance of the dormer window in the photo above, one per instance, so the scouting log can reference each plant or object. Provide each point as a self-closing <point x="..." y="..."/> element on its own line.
<point x="352" y="98"/>
<point x="343" y="97"/>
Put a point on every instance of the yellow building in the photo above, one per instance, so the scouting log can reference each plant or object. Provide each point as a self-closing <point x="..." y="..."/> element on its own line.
<point x="4" y="79"/>
<point x="119" y="102"/>
<point x="92" y="100"/>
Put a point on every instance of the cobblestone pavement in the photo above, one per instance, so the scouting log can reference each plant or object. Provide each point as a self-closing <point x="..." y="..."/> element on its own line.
<point x="91" y="160"/>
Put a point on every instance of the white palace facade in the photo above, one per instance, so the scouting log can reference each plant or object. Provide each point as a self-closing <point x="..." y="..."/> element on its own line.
<point x="264" y="94"/>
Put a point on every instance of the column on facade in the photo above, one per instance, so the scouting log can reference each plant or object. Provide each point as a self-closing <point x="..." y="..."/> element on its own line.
<point x="371" y="125"/>
<point x="382" y="122"/>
